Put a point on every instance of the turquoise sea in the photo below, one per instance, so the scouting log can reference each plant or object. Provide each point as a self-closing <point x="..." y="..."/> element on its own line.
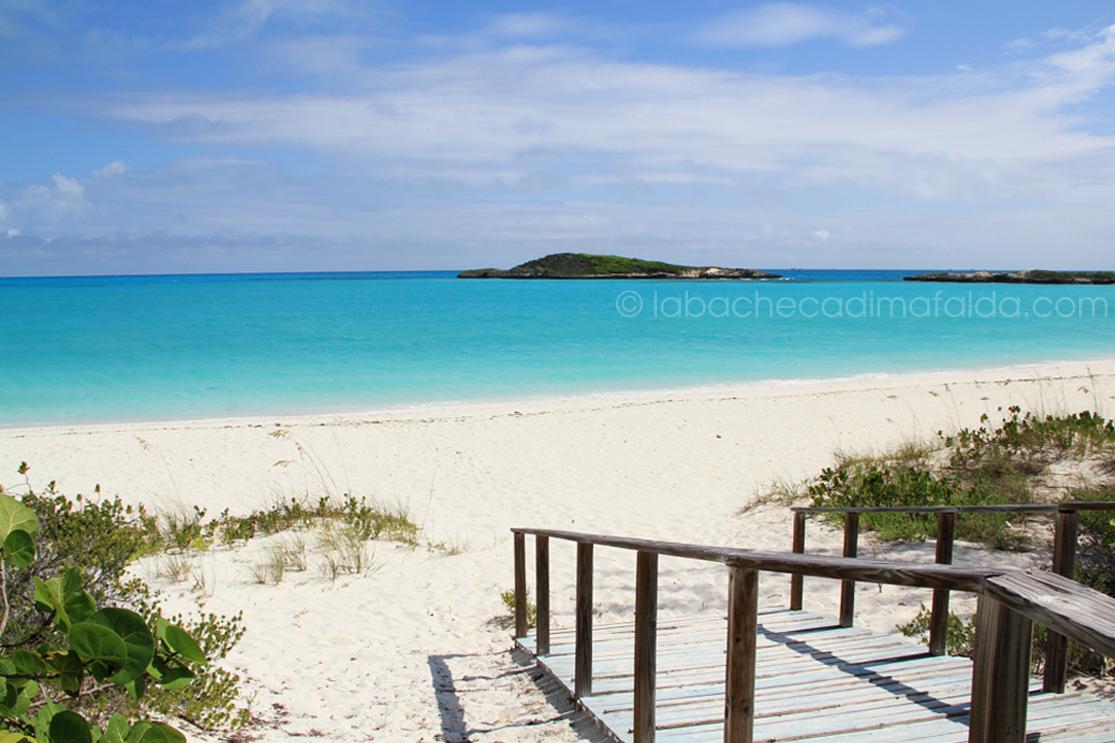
<point x="154" y="347"/>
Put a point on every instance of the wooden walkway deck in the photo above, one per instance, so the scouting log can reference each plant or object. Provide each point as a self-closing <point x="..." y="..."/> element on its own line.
<point x="815" y="682"/>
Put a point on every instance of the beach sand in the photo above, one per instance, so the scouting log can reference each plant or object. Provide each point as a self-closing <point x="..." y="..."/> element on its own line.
<point x="417" y="650"/>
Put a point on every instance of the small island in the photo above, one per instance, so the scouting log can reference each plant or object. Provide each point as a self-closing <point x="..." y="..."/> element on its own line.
<point x="1019" y="277"/>
<point x="588" y="266"/>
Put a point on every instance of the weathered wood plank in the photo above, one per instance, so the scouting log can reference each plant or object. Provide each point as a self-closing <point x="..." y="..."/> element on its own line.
<point x="646" y="621"/>
<point x="987" y="508"/>
<point x="520" y="586"/>
<point x="1064" y="563"/>
<point x="939" y="618"/>
<point x="848" y="586"/>
<point x="1001" y="674"/>
<point x="743" y="627"/>
<point x="839" y="568"/>
<point x="542" y="592"/>
<point x="582" y="684"/>
<point x="1061" y="605"/>
<point x="797" y="580"/>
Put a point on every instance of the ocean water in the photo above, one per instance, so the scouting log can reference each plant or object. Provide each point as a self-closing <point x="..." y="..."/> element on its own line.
<point x="155" y="347"/>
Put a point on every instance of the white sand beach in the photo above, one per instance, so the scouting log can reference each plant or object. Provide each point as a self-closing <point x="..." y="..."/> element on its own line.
<point x="417" y="650"/>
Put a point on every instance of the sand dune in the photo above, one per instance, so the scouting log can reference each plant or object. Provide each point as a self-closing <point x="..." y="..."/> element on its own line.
<point x="417" y="649"/>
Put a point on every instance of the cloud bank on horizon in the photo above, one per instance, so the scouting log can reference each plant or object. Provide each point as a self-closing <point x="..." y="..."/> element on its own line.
<point x="335" y="135"/>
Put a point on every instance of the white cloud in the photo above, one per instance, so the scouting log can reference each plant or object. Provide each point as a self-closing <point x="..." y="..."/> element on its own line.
<point x="527" y="25"/>
<point x="63" y="199"/>
<point x="113" y="168"/>
<point x="249" y="18"/>
<point x="518" y="149"/>
<point x="524" y="108"/>
<point x="782" y="24"/>
<point x="3" y="210"/>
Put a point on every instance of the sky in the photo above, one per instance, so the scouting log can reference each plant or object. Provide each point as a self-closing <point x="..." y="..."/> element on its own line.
<point x="159" y="136"/>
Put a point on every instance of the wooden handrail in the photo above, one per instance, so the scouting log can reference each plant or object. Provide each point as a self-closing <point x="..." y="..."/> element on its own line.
<point x="821" y="566"/>
<point x="1064" y="560"/>
<point x="1100" y="505"/>
<point x="1010" y="602"/>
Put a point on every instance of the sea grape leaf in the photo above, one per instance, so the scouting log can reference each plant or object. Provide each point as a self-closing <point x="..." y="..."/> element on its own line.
<point x="178" y="640"/>
<point x="19" y="548"/>
<point x="138" y="641"/>
<point x="69" y="727"/>
<point x="27" y="662"/>
<point x="99" y="646"/>
<point x="15" y="516"/>
<point x="154" y="732"/>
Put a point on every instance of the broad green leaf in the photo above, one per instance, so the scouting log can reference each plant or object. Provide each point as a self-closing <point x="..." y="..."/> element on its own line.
<point x="19" y="548"/>
<point x="117" y="725"/>
<point x="48" y="597"/>
<point x="139" y="642"/>
<point x="14" y="515"/>
<point x="100" y="646"/>
<point x="170" y="674"/>
<point x="154" y="732"/>
<point x="178" y="640"/>
<point x="70" y="671"/>
<point x="8" y="697"/>
<point x="28" y="662"/>
<point x="80" y="606"/>
<point x="135" y="687"/>
<point x="69" y="727"/>
<point x="71" y="583"/>
<point x="15" y="738"/>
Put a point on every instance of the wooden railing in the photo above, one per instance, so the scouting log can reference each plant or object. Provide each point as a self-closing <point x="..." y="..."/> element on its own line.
<point x="1009" y="602"/>
<point x="1064" y="563"/>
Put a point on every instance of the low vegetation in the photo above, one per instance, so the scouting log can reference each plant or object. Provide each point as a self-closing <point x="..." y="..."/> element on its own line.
<point x="1022" y="458"/>
<point x="77" y="572"/>
<point x="73" y="669"/>
<point x="508" y="599"/>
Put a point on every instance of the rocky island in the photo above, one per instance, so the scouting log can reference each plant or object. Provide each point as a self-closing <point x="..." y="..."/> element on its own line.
<point x="588" y="266"/>
<point x="1019" y="277"/>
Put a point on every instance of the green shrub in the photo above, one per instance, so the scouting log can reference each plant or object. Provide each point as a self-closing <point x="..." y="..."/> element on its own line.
<point x="878" y="483"/>
<point x="97" y="540"/>
<point x="52" y="691"/>
<point x="508" y="599"/>
<point x="368" y="520"/>
<point x="960" y="639"/>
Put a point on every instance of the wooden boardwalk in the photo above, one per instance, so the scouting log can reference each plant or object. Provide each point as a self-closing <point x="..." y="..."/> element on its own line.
<point x="814" y="682"/>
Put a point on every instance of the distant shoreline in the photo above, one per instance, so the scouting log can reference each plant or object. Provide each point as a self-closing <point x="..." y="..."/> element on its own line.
<point x="1084" y="278"/>
<point x="1030" y="372"/>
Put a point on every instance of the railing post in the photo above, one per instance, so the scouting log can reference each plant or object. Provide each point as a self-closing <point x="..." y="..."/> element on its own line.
<point x="542" y="588"/>
<point x="797" y="586"/>
<point x="520" y="586"/>
<point x="1064" y="563"/>
<point x="1000" y="674"/>
<point x="646" y="644"/>
<point x="848" y="587"/>
<point x="939" y="620"/>
<point x="743" y="625"/>
<point x="582" y="662"/>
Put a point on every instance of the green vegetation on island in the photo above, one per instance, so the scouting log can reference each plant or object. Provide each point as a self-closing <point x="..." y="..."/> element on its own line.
<point x="1018" y="277"/>
<point x="588" y="266"/>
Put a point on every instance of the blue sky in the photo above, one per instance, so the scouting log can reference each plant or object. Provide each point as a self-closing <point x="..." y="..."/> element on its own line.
<point x="149" y="137"/>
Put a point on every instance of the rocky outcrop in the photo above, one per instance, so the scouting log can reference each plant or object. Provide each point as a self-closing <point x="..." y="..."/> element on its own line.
<point x="1019" y="277"/>
<point x="589" y="266"/>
